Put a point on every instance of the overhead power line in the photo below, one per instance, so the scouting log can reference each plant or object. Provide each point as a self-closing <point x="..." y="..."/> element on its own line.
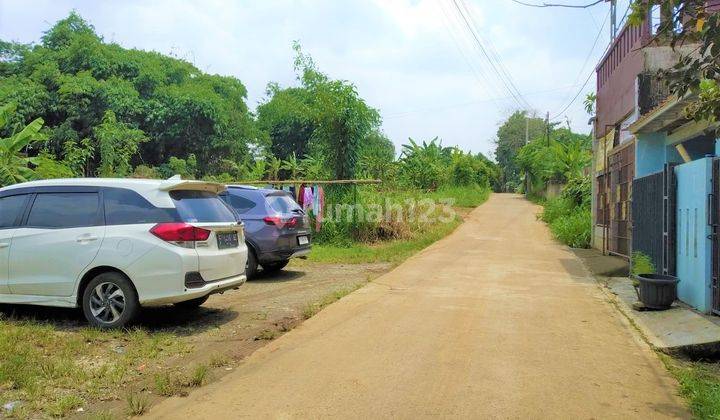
<point x="504" y="78"/>
<point x="589" y="54"/>
<point x="495" y="56"/>
<point x="577" y="95"/>
<point x="569" y="6"/>
<point x="479" y="74"/>
<point x="400" y="114"/>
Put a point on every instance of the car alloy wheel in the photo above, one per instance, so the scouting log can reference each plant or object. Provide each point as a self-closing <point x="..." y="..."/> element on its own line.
<point x="107" y="302"/>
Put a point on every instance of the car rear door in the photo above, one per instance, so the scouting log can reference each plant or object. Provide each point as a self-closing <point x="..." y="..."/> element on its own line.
<point x="60" y="236"/>
<point x="294" y="225"/>
<point x="11" y="211"/>
<point x="247" y="204"/>
<point x="224" y="253"/>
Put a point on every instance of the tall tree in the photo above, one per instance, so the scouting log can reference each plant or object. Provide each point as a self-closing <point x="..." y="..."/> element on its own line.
<point x="510" y="138"/>
<point x="73" y="78"/>
<point x="321" y="116"/>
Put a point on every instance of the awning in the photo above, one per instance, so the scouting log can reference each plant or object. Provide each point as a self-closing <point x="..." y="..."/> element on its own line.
<point x="666" y="116"/>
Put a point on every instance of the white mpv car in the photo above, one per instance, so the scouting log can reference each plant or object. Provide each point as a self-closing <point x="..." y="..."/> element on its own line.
<point x="111" y="246"/>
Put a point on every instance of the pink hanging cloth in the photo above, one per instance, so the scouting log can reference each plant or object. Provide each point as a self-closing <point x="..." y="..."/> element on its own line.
<point x="307" y="201"/>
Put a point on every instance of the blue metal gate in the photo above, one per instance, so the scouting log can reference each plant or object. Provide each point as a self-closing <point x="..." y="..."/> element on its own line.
<point x="693" y="246"/>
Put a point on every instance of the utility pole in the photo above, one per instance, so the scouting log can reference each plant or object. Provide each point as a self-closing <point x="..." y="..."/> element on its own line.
<point x="613" y="20"/>
<point x="547" y="128"/>
<point x="527" y="128"/>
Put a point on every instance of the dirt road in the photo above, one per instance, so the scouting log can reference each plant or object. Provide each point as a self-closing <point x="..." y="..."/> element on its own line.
<point x="495" y="320"/>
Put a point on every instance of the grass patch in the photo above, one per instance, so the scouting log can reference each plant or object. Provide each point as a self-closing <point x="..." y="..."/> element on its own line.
<point x="570" y="223"/>
<point x="393" y="251"/>
<point x="219" y="360"/>
<point x="266" y="335"/>
<point x="137" y="403"/>
<point x="199" y="376"/>
<point x="311" y="309"/>
<point x="52" y="370"/>
<point x="699" y="385"/>
<point x="167" y="384"/>
<point x="467" y="196"/>
<point x="102" y="415"/>
<point x="64" y="404"/>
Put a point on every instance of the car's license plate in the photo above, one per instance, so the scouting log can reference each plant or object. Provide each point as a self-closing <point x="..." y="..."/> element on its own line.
<point x="227" y="240"/>
<point x="303" y="240"/>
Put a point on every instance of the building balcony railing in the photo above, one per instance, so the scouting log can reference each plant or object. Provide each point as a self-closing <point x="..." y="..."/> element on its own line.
<point x="630" y="39"/>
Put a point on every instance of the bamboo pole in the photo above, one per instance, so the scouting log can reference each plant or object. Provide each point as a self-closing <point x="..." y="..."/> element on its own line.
<point x="297" y="182"/>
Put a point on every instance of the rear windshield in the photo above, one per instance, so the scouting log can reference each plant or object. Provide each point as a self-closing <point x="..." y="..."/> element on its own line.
<point x="201" y="206"/>
<point x="282" y="203"/>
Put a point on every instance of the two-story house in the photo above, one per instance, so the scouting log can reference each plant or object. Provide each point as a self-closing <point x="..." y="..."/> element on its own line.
<point x="654" y="189"/>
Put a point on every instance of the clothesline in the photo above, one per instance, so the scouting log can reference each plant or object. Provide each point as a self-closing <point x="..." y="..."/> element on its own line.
<point x="302" y="181"/>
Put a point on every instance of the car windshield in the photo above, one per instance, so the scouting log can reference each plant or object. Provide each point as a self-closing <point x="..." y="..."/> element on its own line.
<point x="201" y="206"/>
<point x="282" y="203"/>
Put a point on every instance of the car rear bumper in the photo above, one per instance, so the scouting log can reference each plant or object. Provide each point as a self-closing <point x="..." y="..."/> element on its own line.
<point x="207" y="288"/>
<point x="284" y="254"/>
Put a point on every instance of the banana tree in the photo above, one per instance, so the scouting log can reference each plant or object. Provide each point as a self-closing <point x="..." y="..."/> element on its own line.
<point x="13" y="163"/>
<point x="273" y="167"/>
<point x="313" y="167"/>
<point x="292" y="166"/>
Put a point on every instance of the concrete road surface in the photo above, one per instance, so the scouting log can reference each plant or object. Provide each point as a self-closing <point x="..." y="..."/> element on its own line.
<point x="496" y="320"/>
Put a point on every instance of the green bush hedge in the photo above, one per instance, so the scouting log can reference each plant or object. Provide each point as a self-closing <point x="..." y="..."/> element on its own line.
<point x="573" y="228"/>
<point x="569" y="222"/>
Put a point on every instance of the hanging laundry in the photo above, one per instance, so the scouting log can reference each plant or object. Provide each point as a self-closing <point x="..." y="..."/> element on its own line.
<point x="316" y="197"/>
<point x="307" y="202"/>
<point x="320" y="199"/>
<point x="299" y="197"/>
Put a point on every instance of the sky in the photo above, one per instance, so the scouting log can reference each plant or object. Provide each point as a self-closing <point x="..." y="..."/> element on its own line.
<point x="416" y="61"/>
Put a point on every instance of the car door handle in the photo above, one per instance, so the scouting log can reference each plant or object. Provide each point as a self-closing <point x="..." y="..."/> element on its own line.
<point x="86" y="238"/>
<point x="4" y="244"/>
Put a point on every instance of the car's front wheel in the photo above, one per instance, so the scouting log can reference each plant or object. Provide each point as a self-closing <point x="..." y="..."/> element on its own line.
<point x="110" y="301"/>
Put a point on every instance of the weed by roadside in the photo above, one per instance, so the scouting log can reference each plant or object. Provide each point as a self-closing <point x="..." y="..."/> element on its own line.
<point x="102" y="415"/>
<point x="137" y="403"/>
<point x="699" y="384"/>
<point x="266" y="335"/>
<point x="64" y="405"/>
<point x="199" y="376"/>
<point x="391" y="251"/>
<point x="219" y="360"/>
<point x="41" y="361"/>
<point x="313" y="308"/>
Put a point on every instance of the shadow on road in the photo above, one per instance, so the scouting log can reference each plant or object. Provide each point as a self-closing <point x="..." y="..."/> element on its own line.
<point x="161" y="319"/>
<point x="278" y="276"/>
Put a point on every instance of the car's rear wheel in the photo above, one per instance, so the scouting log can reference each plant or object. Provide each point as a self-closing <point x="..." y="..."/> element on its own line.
<point x="275" y="266"/>
<point x="110" y="301"/>
<point x="251" y="266"/>
<point x="192" y="303"/>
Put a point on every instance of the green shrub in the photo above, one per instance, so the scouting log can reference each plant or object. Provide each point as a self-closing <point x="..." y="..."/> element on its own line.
<point x="641" y="264"/>
<point x="556" y="208"/>
<point x="573" y="229"/>
<point x="47" y="167"/>
<point x="390" y="214"/>
<point x="577" y="191"/>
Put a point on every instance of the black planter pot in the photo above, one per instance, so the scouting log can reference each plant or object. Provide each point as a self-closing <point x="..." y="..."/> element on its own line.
<point x="657" y="291"/>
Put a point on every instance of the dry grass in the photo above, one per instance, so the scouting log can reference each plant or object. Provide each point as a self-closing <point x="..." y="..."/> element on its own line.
<point x="51" y="371"/>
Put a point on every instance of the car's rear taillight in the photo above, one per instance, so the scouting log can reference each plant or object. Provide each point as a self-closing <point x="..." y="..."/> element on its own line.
<point x="280" y="222"/>
<point x="182" y="234"/>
